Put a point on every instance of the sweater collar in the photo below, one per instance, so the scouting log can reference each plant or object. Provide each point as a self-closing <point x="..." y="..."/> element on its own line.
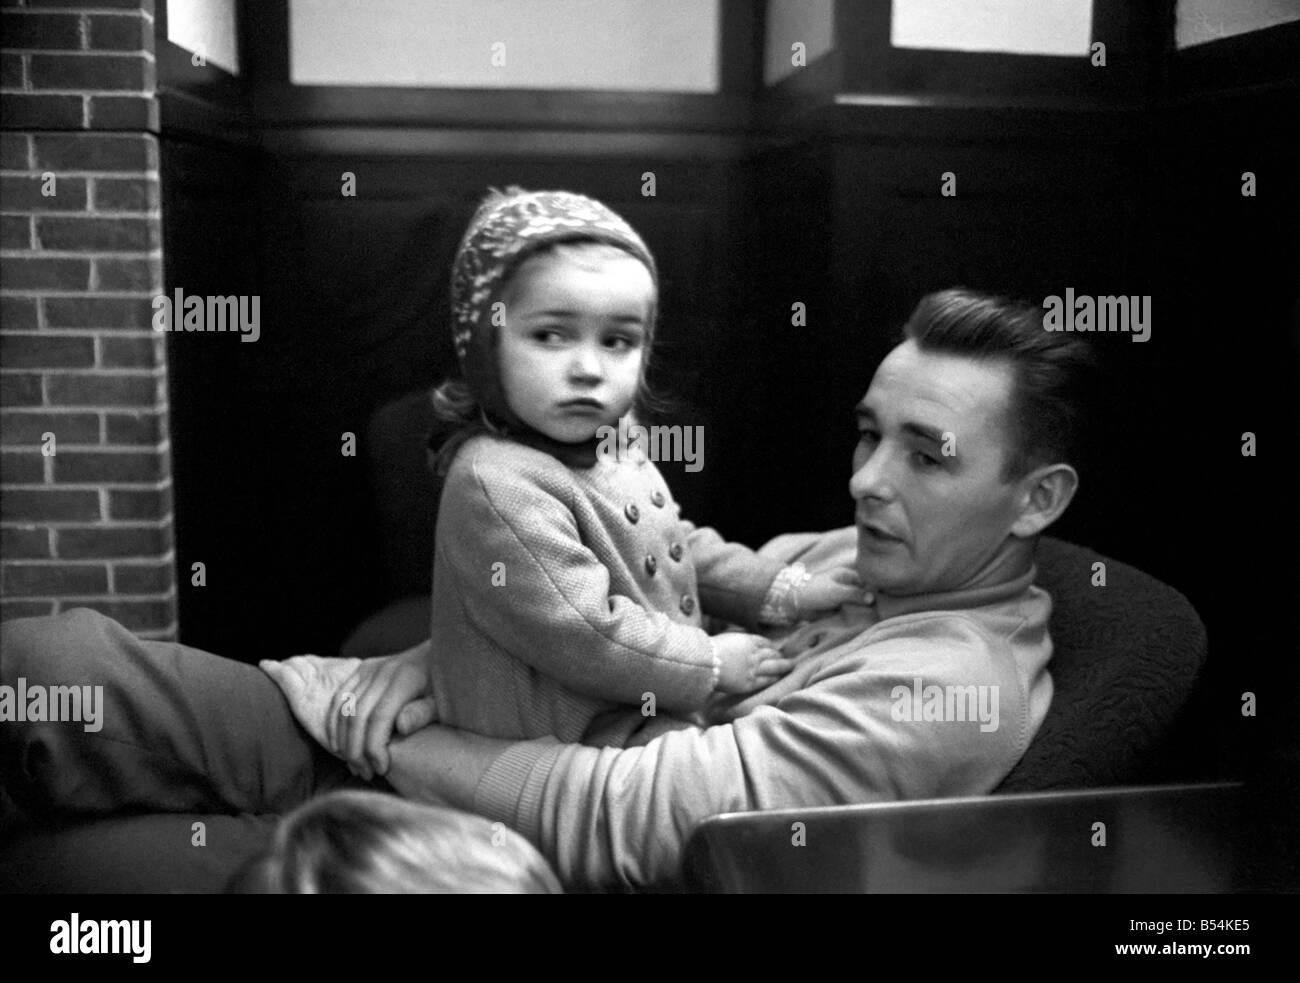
<point x="889" y="606"/>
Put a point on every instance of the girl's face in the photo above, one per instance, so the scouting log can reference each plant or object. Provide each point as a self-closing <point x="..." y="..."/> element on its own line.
<point x="573" y="342"/>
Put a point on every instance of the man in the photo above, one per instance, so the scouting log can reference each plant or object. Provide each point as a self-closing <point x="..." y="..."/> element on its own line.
<point x="932" y="686"/>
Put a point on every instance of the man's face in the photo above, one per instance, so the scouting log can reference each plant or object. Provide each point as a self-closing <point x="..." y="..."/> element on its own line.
<point x="929" y="520"/>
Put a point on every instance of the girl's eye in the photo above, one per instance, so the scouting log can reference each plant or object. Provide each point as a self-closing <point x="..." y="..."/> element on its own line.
<point x="925" y="460"/>
<point x="868" y="435"/>
<point x="547" y="336"/>
<point x="620" y="343"/>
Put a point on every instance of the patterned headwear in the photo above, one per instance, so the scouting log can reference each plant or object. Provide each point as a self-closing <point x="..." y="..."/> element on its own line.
<point x="509" y="227"/>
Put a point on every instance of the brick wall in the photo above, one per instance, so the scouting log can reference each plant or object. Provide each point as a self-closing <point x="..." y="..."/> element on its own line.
<point x="85" y="470"/>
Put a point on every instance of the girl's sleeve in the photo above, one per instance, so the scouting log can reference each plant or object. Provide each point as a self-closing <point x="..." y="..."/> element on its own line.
<point x="735" y="583"/>
<point x="525" y="580"/>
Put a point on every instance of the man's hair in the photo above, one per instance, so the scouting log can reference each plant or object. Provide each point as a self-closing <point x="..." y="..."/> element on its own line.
<point x="362" y="842"/>
<point x="1053" y="373"/>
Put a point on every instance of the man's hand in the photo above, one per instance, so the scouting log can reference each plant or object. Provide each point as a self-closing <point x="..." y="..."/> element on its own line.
<point x="309" y="683"/>
<point x="747" y="662"/>
<point x="379" y="696"/>
<point x="826" y="591"/>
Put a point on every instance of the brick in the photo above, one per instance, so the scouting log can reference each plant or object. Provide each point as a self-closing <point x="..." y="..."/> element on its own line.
<point x="18" y="313"/>
<point x="15" y="232"/>
<point x="40" y="351"/>
<point x="41" y="579"/>
<point x="27" y="427"/>
<point x="14" y="151"/>
<point x="106" y="541"/>
<point x="124" y="113"/>
<point x="117" y="33"/>
<point x="90" y="467"/>
<point x="130" y="353"/>
<point x="21" y="468"/>
<point x="20" y="193"/>
<point x="25" y="609"/>
<point x="49" y="505"/>
<point x="19" y="389"/>
<point x="42" y="112"/>
<point x="12" y="70"/>
<point x="42" y="31"/>
<point x="137" y="235"/>
<point x="91" y="71"/>
<point x="99" y="312"/>
<point x="135" y="616"/>
<point x="131" y="503"/>
<point x="139" y="429"/>
<point x="95" y="152"/>
<point x="126" y="195"/>
<point x="24" y="273"/>
<point x="143" y="578"/>
<point x="24" y="543"/>
<point x="92" y="389"/>
<point x="129" y="274"/>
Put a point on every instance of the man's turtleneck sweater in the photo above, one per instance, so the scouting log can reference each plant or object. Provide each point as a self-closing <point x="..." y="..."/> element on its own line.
<point x="925" y="696"/>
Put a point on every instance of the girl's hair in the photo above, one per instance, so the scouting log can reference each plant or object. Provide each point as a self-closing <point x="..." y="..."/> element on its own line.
<point x="363" y="842"/>
<point x="455" y="406"/>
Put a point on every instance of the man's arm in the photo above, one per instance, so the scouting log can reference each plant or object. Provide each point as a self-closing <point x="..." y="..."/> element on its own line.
<point x="606" y="816"/>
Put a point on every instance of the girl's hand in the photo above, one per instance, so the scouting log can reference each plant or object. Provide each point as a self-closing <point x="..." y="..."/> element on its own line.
<point x="826" y="591"/>
<point x="747" y="662"/>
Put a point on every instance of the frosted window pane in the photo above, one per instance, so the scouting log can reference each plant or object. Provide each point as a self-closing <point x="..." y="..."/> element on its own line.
<point x="655" y="45"/>
<point x="1024" y="27"/>
<point x="206" y="27"/>
<point x="1200" y="21"/>
<point x="788" y="21"/>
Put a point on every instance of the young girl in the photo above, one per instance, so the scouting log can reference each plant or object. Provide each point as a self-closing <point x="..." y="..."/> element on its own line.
<point x="566" y="586"/>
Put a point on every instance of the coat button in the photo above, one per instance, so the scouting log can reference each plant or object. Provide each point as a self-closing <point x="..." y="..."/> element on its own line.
<point x="651" y="564"/>
<point x="632" y="512"/>
<point x="657" y="498"/>
<point x="675" y="551"/>
<point x="688" y="604"/>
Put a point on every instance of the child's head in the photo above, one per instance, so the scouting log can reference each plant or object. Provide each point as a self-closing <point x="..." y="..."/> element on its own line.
<point x="554" y="300"/>
<point x="362" y="842"/>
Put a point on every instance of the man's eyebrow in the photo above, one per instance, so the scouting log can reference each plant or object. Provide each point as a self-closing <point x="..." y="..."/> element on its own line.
<point x="924" y="432"/>
<point x="864" y="414"/>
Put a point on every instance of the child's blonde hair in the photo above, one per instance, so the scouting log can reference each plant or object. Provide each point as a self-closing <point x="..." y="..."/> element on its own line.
<point x="362" y="842"/>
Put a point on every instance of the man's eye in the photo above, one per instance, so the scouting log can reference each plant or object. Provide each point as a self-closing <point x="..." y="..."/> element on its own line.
<point x="926" y="460"/>
<point x="547" y="336"/>
<point x="620" y="343"/>
<point x="868" y="435"/>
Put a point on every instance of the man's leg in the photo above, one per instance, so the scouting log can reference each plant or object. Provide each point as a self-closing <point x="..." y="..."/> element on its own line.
<point x="180" y="730"/>
<point x="150" y="854"/>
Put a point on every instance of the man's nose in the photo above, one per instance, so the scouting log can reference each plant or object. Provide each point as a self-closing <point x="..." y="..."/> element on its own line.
<point x="872" y="478"/>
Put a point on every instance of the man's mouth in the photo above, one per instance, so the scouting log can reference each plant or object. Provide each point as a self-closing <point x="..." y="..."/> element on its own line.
<point x="878" y="533"/>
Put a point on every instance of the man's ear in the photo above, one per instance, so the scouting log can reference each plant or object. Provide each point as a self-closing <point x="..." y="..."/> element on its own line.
<point x="1044" y="494"/>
